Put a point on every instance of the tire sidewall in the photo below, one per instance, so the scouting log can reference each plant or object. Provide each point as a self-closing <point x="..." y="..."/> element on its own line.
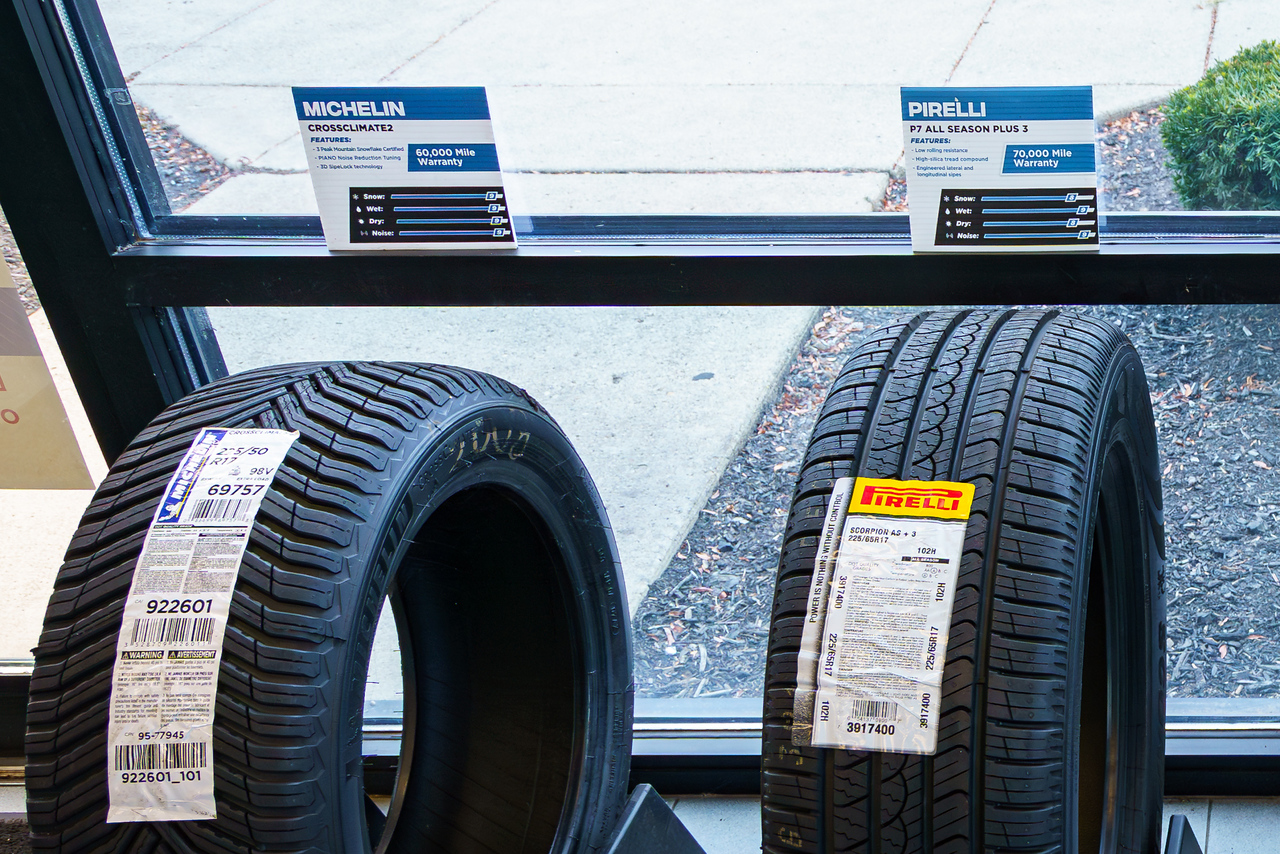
<point x="1126" y="428"/>
<point x="528" y="457"/>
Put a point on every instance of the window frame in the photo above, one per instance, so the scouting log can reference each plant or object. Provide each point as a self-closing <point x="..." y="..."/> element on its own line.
<point x="124" y="281"/>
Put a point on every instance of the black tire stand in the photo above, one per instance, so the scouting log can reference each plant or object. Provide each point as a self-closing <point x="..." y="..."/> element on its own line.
<point x="1181" y="838"/>
<point x="648" y="825"/>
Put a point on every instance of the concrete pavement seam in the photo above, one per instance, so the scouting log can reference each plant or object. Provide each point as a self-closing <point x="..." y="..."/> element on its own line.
<point x="186" y="45"/>
<point x="1213" y="25"/>
<point x="981" y="23"/>
<point x="442" y="37"/>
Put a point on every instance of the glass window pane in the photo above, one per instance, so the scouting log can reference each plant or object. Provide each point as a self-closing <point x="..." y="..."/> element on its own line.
<point x="723" y="108"/>
<point x="693" y="423"/>
<point x="662" y="107"/>
<point x="702" y="629"/>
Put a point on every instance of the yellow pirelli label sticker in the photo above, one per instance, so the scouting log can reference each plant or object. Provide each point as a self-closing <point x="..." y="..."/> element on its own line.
<point x="930" y="499"/>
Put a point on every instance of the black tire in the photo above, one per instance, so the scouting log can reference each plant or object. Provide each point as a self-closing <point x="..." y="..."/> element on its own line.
<point x="450" y="492"/>
<point x="1059" y="603"/>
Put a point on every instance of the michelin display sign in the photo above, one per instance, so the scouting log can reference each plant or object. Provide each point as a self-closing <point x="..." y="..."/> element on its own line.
<point x="404" y="168"/>
<point x="1005" y="169"/>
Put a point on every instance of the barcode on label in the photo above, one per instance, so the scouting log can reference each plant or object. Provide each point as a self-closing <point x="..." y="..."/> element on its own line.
<point x="222" y="510"/>
<point x="873" y="710"/>
<point x="148" y="631"/>
<point x="161" y="757"/>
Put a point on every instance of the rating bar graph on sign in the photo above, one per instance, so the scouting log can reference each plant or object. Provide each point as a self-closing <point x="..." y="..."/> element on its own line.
<point x="430" y="214"/>
<point x="1017" y="216"/>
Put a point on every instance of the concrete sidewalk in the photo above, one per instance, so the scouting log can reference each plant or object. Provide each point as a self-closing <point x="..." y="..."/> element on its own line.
<point x="720" y="106"/>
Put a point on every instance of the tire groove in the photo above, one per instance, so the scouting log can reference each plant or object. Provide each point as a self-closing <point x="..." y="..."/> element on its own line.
<point x="906" y="466"/>
<point x="977" y="777"/>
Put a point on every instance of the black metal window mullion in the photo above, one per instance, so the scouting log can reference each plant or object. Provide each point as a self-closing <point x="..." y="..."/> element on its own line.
<point x="62" y="196"/>
<point x="139" y="187"/>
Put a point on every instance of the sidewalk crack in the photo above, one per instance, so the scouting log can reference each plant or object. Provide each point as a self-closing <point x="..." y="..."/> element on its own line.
<point x="981" y="23"/>
<point x="477" y="13"/>
<point x="1213" y="25"/>
<point x="200" y="37"/>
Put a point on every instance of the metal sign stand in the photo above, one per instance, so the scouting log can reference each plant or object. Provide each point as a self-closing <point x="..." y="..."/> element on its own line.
<point x="648" y="826"/>
<point x="1181" y="838"/>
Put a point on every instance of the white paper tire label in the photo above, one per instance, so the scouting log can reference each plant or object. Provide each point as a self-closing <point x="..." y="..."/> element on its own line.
<point x="887" y="617"/>
<point x="165" y="679"/>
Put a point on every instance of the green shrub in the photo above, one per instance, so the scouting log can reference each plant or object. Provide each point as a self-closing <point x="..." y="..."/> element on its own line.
<point x="1223" y="134"/>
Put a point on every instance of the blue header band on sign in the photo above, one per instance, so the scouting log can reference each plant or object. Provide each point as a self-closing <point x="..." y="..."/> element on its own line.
<point x="383" y="103"/>
<point x="1037" y="159"/>
<point x="997" y="104"/>
<point x="445" y="157"/>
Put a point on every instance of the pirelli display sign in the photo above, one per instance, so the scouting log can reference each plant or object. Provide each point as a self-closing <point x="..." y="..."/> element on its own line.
<point x="875" y="633"/>
<point x="1001" y="169"/>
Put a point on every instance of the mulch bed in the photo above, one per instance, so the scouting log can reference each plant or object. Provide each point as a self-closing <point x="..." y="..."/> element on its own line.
<point x="14" y="837"/>
<point x="187" y="171"/>
<point x="1135" y="173"/>
<point x="1217" y="406"/>
<point x="17" y="269"/>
